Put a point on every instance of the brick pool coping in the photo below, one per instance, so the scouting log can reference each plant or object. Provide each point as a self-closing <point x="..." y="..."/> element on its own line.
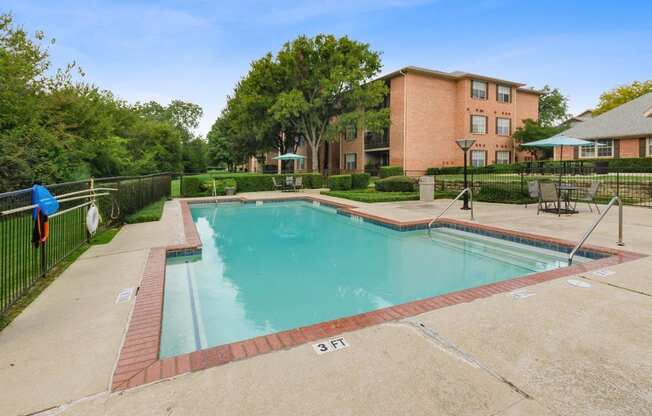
<point x="139" y="362"/>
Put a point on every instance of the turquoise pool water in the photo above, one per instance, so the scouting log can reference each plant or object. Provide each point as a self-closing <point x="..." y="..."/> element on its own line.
<point x="272" y="267"/>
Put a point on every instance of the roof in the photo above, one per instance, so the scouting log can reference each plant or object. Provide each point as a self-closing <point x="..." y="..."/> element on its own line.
<point x="456" y="75"/>
<point x="583" y="116"/>
<point x="626" y="120"/>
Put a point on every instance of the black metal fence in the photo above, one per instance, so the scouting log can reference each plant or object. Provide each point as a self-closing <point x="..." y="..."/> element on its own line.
<point x="23" y="263"/>
<point x="633" y="185"/>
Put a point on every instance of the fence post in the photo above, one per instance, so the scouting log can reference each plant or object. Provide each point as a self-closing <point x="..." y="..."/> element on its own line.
<point x="618" y="184"/>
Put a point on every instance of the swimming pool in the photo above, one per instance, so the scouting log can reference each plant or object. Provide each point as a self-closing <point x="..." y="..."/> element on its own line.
<point x="271" y="267"/>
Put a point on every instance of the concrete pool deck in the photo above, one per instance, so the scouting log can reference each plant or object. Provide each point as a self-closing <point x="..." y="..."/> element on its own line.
<point x="565" y="350"/>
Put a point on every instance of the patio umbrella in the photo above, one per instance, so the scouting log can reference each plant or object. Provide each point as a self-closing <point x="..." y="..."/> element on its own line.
<point x="561" y="141"/>
<point x="288" y="156"/>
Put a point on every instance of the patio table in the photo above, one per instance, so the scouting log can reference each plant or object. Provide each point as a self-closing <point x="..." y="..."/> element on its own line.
<point x="565" y="193"/>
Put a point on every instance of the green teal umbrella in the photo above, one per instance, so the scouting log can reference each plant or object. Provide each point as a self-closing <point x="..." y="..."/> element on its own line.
<point x="289" y="156"/>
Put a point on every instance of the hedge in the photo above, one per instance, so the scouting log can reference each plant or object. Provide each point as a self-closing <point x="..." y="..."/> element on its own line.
<point x="495" y="193"/>
<point x="387" y="171"/>
<point x="395" y="184"/>
<point x="360" y="180"/>
<point x="201" y="185"/>
<point x="220" y="185"/>
<point x="340" y="182"/>
<point x="191" y="186"/>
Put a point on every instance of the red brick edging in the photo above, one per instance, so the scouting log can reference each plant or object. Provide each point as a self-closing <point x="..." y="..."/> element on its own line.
<point x="139" y="364"/>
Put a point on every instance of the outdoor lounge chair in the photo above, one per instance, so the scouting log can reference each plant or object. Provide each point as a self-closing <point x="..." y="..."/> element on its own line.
<point x="589" y="196"/>
<point x="289" y="183"/>
<point x="533" y="190"/>
<point x="298" y="183"/>
<point x="547" y="195"/>
<point x="277" y="186"/>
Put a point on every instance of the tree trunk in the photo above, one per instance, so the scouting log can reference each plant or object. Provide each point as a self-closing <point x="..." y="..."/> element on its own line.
<point x="315" y="157"/>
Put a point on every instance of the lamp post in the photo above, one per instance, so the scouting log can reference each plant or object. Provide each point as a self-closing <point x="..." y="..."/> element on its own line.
<point x="465" y="145"/>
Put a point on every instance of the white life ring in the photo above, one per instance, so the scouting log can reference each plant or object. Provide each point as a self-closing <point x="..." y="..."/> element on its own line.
<point x="92" y="220"/>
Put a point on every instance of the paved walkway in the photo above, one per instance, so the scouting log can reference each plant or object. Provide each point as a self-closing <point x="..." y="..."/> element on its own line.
<point x="563" y="351"/>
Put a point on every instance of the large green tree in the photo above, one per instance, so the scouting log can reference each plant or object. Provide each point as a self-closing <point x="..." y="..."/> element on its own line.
<point x="622" y="94"/>
<point x="55" y="127"/>
<point x="553" y="107"/>
<point x="313" y="89"/>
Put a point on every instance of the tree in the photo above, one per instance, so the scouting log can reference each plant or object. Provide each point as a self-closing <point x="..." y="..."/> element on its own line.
<point x="622" y="94"/>
<point x="313" y="89"/>
<point x="553" y="107"/>
<point x="532" y="131"/>
<point x="328" y="88"/>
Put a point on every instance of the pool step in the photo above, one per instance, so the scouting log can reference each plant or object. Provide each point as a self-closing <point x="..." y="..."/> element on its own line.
<point x="532" y="258"/>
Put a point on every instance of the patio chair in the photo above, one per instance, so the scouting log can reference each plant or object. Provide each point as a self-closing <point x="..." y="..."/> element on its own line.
<point x="547" y="195"/>
<point x="277" y="185"/>
<point x="589" y="196"/>
<point x="298" y="183"/>
<point x="533" y="190"/>
<point x="289" y="182"/>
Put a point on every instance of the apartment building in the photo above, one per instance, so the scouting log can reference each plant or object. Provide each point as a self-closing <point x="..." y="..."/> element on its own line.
<point x="429" y="110"/>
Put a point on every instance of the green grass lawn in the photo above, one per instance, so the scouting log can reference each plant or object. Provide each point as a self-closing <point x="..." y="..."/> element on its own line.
<point x="151" y="212"/>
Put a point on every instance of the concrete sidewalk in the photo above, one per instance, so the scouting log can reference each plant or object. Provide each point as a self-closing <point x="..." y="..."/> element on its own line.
<point x="65" y="344"/>
<point x="562" y="351"/>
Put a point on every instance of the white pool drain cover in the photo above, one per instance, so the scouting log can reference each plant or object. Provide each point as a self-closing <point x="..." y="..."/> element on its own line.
<point x="124" y="295"/>
<point x="603" y="273"/>
<point x="579" y="283"/>
<point x="521" y="294"/>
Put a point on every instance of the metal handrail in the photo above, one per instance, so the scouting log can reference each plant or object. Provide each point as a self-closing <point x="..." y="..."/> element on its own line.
<point x="595" y="224"/>
<point x="465" y="190"/>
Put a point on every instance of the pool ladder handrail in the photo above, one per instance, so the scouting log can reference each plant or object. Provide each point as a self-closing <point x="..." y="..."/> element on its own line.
<point x="465" y="190"/>
<point x="595" y="224"/>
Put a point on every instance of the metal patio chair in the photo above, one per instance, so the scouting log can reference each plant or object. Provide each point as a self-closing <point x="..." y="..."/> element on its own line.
<point x="533" y="190"/>
<point x="277" y="186"/>
<point x="298" y="183"/>
<point x="589" y="196"/>
<point x="289" y="183"/>
<point x="547" y="195"/>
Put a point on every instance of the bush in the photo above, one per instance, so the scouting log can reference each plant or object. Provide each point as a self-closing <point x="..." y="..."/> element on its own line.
<point x="360" y="180"/>
<point x="493" y="193"/>
<point x="340" y="182"/>
<point x="220" y="186"/>
<point x="191" y="186"/>
<point x="371" y="196"/>
<point x="387" y="171"/>
<point x="396" y="184"/>
<point x="254" y="182"/>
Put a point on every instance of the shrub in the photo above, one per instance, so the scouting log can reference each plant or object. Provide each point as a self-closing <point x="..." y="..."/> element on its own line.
<point x="191" y="186"/>
<point x="360" y="180"/>
<point x="310" y="180"/>
<point x="395" y="184"/>
<point x="339" y="182"/>
<point x="371" y="196"/>
<point x="493" y="193"/>
<point x="387" y="171"/>
<point x="220" y="186"/>
<point x="254" y="182"/>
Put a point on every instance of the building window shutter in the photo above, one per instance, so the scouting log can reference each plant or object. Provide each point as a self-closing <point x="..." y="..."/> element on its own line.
<point x="576" y="153"/>
<point x="616" y="149"/>
<point x="641" y="147"/>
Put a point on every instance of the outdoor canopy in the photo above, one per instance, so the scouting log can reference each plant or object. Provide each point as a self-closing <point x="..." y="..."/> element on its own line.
<point x="289" y="156"/>
<point x="561" y="140"/>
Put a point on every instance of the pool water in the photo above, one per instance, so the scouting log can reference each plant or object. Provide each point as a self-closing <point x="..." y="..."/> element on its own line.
<point x="277" y="266"/>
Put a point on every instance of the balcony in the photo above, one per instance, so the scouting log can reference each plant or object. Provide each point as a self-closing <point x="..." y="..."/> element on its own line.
<point x="374" y="141"/>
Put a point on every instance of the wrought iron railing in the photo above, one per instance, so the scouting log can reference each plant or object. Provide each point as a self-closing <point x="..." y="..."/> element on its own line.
<point x="23" y="263"/>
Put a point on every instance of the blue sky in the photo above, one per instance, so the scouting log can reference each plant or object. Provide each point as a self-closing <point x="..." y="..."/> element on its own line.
<point x="196" y="50"/>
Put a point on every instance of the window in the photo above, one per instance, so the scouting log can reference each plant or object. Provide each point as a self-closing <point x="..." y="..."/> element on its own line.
<point x="301" y="164"/>
<point x="649" y="147"/>
<point x="479" y="90"/>
<point x="504" y="94"/>
<point x="503" y="157"/>
<point x="478" y="158"/>
<point x="503" y="126"/>
<point x="350" y="161"/>
<point x="605" y="150"/>
<point x="350" y="133"/>
<point x="478" y="124"/>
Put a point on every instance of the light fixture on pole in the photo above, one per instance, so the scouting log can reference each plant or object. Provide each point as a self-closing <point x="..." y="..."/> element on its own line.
<point x="465" y="145"/>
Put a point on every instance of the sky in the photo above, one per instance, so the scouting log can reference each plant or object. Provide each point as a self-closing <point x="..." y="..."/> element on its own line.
<point x="196" y="50"/>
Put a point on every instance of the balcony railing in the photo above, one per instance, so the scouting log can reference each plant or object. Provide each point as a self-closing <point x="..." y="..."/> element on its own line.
<point x="374" y="141"/>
